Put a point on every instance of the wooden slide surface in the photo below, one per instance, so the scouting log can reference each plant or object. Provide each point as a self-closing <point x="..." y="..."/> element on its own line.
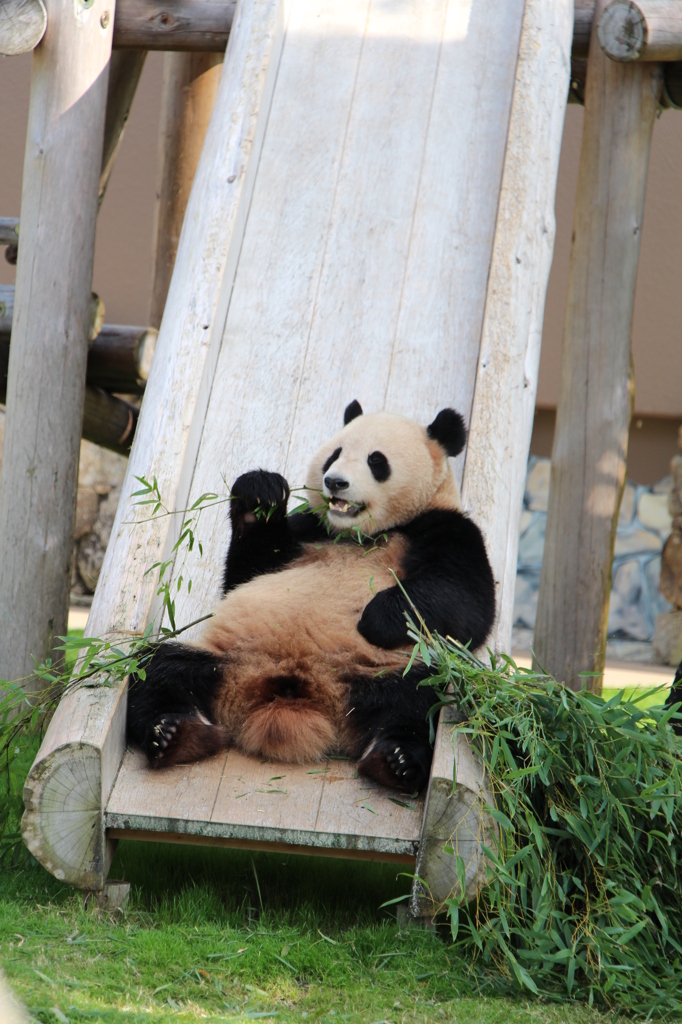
<point x="372" y="218"/>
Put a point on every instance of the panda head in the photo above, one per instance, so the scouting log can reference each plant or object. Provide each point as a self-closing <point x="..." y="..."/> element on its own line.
<point x="383" y="470"/>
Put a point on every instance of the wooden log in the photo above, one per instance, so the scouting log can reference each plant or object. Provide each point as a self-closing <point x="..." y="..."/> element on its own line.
<point x="50" y="329"/>
<point x="120" y="358"/>
<point x="95" y="316"/>
<point x="190" y="85"/>
<point x="86" y="737"/>
<point x="582" y="27"/>
<point x="506" y="380"/>
<point x="649" y="30"/>
<point x="22" y="25"/>
<point x="9" y="230"/>
<point x="198" y="25"/>
<point x="456" y="818"/>
<point x="109" y="421"/>
<point x="595" y="397"/>
<point x="125" y="70"/>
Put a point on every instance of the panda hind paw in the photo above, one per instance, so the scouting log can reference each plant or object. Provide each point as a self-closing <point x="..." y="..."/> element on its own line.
<point x="181" y="739"/>
<point x="397" y="766"/>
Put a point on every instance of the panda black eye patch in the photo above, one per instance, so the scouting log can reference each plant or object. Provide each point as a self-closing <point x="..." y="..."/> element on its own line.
<point x="378" y="464"/>
<point x="332" y="458"/>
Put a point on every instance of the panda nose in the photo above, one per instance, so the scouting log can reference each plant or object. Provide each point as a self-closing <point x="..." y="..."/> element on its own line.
<point x="335" y="484"/>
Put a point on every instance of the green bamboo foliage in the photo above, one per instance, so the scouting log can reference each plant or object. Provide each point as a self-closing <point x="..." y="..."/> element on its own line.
<point x="584" y="895"/>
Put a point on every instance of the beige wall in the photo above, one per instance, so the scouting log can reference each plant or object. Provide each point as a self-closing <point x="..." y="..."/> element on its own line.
<point x="124" y="232"/>
<point x="123" y="253"/>
<point x="657" y="333"/>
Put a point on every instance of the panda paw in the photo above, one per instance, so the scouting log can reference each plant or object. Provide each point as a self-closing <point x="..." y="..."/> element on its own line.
<point x="383" y="622"/>
<point x="181" y="739"/>
<point x="398" y="765"/>
<point x="258" y="496"/>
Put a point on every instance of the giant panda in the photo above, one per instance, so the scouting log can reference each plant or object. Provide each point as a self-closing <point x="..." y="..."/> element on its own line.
<point x="305" y="655"/>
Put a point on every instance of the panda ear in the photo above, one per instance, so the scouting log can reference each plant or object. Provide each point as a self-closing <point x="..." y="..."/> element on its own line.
<point x="352" y="412"/>
<point x="449" y="430"/>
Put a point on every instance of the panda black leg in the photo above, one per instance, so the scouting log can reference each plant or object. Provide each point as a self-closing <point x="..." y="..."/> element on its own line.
<point x="391" y="717"/>
<point x="169" y="711"/>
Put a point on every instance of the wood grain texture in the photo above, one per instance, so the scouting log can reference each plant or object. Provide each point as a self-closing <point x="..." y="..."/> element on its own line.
<point x="174" y="24"/>
<point x="22" y="25"/>
<point x="367" y="280"/>
<point x="595" y="396"/>
<point x="507" y="372"/>
<point x="50" y="330"/>
<point x="455" y="817"/>
<point x="648" y="30"/>
<point x="179" y="383"/>
<point x="236" y="797"/>
<point x="190" y="85"/>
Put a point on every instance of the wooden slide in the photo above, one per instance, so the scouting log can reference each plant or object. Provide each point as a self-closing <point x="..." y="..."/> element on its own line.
<point x="372" y="218"/>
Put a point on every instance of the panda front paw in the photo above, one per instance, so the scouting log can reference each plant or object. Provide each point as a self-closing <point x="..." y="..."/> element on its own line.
<point x="383" y="623"/>
<point x="258" y="496"/>
<point x="397" y="764"/>
<point x="181" y="739"/>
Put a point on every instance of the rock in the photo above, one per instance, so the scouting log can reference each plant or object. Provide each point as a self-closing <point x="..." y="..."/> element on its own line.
<point x="536" y="497"/>
<point x="667" y="646"/>
<point x="652" y="512"/>
<point x="671" y="570"/>
<point x="636" y="542"/>
<point x="628" y="619"/>
<point x="526" y="598"/>
<point x="87" y="507"/>
<point x="627" y="505"/>
<point x="663" y="486"/>
<point x="532" y="543"/>
<point x="526" y="520"/>
<point x="652" y="574"/>
<point x="90" y="551"/>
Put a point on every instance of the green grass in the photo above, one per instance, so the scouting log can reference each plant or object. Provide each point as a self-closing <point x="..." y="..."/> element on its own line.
<point x="224" y="936"/>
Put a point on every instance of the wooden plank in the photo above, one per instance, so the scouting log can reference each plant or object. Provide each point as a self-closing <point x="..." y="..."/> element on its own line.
<point x="50" y="330"/>
<point x="125" y="71"/>
<point x="361" y="186"/>
<point x="182" y="792"/>
<point x="22" y="25"/>
<point x="506" y="378"/>
<point x="190" y="85"/>
<point x="641" y="30"/>
<point x="177" y="393"/>
<point x="198" y="25"/>
<point x="595" y="396"/>
<point x="236" y="797"/>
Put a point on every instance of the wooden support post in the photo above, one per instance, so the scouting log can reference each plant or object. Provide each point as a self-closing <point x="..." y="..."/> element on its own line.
<point x="641" y="30"/>
<point x="190" y="86"/>
<point x="596" y="394"/>
<point x="197" y="25"/>
<point x="46" y="381"/>
<point x="125" y="70"/>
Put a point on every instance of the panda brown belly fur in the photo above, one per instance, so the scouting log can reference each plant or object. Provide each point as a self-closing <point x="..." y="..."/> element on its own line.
<point x="291" y="646"/>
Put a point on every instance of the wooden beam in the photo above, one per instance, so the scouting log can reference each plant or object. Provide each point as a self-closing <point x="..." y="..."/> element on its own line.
<point x="190" y="85"/>
<point x="641" y="30"/>
<point x="198" y="25"/>
<point x="9" y="230"/>
<point x="22" y="25"/>
<point x="125" y="71"/>
<point x="595" y="398"/>
<point x="119" y="358"/>
<point x="109" y="421"/>
<point x="46" y="380"/>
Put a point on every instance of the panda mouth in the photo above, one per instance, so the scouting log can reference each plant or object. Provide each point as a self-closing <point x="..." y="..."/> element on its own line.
<point x="341" y="507"/>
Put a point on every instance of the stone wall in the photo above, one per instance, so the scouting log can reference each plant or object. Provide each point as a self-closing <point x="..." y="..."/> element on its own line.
<point x="643" y="528"/>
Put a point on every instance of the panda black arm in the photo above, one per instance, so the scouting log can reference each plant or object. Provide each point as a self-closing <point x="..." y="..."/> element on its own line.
<point x="447" y="575"/>
<point x="264" y="538"/>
